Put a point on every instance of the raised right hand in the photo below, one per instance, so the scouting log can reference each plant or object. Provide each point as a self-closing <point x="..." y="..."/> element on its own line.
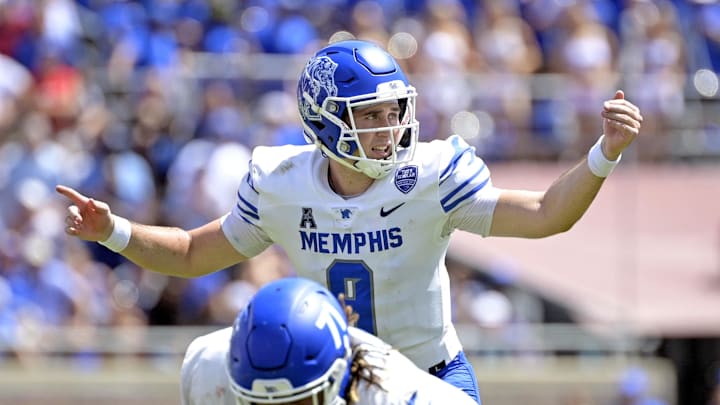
<point x="86" y="218"/>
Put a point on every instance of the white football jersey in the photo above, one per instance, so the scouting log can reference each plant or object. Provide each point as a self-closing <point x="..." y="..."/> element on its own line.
<point x="384" y="249"/>
<point x="205" y="381"/>
<point x="203" y="377"/>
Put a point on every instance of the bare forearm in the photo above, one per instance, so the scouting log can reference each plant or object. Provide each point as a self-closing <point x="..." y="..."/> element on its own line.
<point x="174" y="251"/>
<point x="571" y="195"/>
<point x="530" y="214"/>
<point x="567" y="199"/>
<point x="160" y="249"/>
<point x="166" y="250"/>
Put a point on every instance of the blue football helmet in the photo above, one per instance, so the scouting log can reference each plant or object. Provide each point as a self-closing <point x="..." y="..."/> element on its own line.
<point x="348" y="75"/>
<point x="290" y="343"/>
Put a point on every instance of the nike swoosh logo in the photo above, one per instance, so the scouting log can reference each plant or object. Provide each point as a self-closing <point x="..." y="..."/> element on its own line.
<point x="384" y="213"/>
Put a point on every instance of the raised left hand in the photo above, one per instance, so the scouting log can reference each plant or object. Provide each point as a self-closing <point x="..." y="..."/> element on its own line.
<point x="621" y="125"/>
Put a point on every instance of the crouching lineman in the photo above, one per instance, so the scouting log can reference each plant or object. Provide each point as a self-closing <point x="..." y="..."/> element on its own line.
<point x="292" y="345"/>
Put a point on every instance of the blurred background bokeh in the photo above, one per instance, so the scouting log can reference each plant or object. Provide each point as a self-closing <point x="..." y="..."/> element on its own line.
<point x="154" y="106"/>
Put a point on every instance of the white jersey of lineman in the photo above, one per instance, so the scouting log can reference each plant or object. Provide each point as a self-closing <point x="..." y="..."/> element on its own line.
<point x="205" y="382"/>
<point x="384" y="249"/>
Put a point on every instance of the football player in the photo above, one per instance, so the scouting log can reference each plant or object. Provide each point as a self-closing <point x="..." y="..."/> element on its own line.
<point x="292" y="345"/>
<point x="367" y="209"/>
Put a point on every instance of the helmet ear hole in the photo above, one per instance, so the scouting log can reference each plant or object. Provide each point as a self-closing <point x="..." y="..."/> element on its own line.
<point x="403" y="103"/>
<point x="405" y="138"/>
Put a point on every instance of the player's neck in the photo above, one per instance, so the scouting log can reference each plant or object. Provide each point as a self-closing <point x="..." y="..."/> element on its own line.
<point x="345" y="182"/>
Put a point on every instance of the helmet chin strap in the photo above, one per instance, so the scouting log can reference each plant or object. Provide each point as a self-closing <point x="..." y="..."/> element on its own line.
<point x="374" y="169"/>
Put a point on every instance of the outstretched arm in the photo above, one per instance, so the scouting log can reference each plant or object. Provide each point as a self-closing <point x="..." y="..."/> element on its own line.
<point x="530" y="214"/>
<point x="167" y="250"/>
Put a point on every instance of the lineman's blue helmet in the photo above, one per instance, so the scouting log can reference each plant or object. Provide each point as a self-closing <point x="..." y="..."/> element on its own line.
<point x="290" y="343"/>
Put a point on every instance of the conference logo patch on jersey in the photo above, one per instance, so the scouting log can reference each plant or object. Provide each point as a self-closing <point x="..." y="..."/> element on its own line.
<point x="319" y="83"/>
<point x="406" y="178"/>
<point x="307" y="220"/>
<point x="344" y="216"/>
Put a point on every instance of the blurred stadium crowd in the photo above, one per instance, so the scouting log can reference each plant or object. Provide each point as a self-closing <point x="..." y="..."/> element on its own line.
<point x="155" y="105"/>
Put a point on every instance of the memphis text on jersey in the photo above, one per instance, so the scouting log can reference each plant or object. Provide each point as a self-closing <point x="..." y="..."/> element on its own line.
<point x="348" y="243"/>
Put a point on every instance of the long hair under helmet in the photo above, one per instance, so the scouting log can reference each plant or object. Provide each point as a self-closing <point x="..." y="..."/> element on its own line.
<point x="352" y="74"/>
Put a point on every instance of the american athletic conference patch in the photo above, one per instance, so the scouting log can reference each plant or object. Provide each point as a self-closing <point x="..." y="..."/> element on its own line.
<point x="406" y="178"/>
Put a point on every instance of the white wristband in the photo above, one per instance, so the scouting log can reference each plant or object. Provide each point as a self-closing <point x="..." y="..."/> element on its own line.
<point x="598" y="163"/>
<point x="120" y="236"/>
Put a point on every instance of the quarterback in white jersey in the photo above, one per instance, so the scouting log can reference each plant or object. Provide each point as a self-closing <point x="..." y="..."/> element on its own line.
<point x="368" y="210"/>
<point x="381" y="375"/>
<point x="384" y="249"/>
